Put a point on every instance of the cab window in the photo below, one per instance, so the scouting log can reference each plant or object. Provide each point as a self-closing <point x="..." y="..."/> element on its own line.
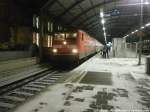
<point x="59" y="36"/>
<point x="71" y="35"/>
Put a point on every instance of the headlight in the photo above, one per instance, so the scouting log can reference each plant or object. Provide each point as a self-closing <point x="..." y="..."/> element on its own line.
<point x="54" y="50"/>
<point x="75" y="51"/>
<point x="64" y="42"/>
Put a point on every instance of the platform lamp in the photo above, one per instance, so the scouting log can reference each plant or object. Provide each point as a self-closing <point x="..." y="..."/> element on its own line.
<point x="140" y="33"/>
<point x="103" y="24"/>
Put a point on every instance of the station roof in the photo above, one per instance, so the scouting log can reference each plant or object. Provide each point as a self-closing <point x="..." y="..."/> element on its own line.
<point x="121" y="16"/>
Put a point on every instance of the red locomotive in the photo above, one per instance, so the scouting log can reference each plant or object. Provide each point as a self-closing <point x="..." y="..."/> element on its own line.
<point x="73" y="46"/>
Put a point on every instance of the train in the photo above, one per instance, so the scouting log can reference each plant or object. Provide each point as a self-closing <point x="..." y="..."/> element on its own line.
<point x="72" y="46"/>
<point x="146" y="47"/>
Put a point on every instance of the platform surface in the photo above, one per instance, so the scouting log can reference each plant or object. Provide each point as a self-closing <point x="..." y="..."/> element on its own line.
<point x="126" y="87"/>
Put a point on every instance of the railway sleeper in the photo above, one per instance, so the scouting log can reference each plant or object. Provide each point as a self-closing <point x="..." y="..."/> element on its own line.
<point x="21" y="94"/>
<point x="56" y="76"/>
<point x="53" y="78"/>
<point x="13" y="98"/>
<point x="6" y="106"/>
<point x="41" y="84"/>
<point x="48" y="80"/>
<point x="45" y="82"/>
<point x="35" y="86"/>
<point x="30" y="90"/>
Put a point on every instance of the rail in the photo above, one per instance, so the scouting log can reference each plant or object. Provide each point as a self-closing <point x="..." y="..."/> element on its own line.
<point x="17" y="91"/>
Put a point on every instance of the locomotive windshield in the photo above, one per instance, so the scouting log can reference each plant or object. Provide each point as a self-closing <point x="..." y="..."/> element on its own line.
<point x="63" y="36"/>
<point x="69" y="37"/>
<point x="59" y="36"/>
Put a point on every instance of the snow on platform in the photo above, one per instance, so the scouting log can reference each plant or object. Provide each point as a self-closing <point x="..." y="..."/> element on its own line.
<point x="129" y="89"/>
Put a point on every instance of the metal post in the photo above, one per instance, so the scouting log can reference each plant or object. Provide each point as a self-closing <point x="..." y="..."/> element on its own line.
<point x="140" y="40"/>
<point x="148" y="64"/>
<point x="42" y="23"/>
<point x="136" y="49"/>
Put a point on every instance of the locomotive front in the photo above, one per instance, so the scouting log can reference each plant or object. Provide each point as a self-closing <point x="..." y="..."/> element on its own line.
<point x="64" y="46"/>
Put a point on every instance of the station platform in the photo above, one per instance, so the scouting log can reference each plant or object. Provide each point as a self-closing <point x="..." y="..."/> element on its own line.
<point x="18" y="69"/>
<point x="16" y="64"/>
<point x="116" y="84"/>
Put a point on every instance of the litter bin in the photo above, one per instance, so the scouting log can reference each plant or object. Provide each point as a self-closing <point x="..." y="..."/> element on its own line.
<point x="148" y="64"/>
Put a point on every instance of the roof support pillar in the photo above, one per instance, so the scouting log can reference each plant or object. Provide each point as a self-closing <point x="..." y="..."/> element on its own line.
<point x="41" y="33"/>
<point x="41" y="38"/>
<point x="140" y="35"/>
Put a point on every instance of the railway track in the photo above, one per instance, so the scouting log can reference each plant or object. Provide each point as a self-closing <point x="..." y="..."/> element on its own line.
<point x="17" y="92"/>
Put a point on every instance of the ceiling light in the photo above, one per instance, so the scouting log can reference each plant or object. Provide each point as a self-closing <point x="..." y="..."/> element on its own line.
<point x="133" y="4"/>
<point x="132" y="32"/>
<point x="142" y="27"/>
<point x="148" y="24"/>
<point x="146" y="3"/>
<point x="102" y="21"/>
<point x="102" y="14"/>
<point x="104" y="28"/>
<point x="104" y="34"/>
<point x="127" y="35"/>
